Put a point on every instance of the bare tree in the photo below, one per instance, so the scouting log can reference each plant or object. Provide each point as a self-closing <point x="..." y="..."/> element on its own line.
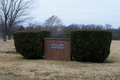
<point x="1" y="32"/>
<point x="20" y="28"/>
<point x="52" y="22"/>
<point x="34" y="26"/>
<point x="13" y="29"/>
<point x="12" y="12"/>
<point x="108" y="26"/>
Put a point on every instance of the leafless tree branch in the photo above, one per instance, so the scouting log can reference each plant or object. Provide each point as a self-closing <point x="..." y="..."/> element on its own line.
<point x="13" y="12"/>
<point x="53" y="21"/>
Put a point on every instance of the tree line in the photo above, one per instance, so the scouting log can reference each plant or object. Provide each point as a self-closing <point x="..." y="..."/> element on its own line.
<point x="58" y="30"/>
<point x="14" y="12"/>
<point x="63" y="31"/>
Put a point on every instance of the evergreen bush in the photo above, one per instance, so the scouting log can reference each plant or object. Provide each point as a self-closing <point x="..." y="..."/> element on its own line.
<point x="90" y="45"/>
<point x="30" y="43"/>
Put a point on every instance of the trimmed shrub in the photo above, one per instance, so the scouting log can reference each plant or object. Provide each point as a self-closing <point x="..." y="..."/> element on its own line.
<point x="30" y="43"/>
<point x="90" y="45"/>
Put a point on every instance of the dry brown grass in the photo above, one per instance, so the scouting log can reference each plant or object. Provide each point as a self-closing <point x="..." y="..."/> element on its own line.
<point x="15" y="67"/>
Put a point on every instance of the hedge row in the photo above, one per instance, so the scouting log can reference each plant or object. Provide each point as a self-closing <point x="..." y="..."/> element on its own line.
<point x="30" y="43"/>
<point x="86" y="45"/>
<point x="90" y="45"/>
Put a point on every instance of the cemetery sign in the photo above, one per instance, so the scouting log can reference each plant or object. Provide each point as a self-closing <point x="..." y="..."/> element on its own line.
<point x="57" y="45"/>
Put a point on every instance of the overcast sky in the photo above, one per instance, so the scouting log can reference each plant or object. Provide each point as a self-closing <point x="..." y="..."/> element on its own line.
<point x="79" y="11"/>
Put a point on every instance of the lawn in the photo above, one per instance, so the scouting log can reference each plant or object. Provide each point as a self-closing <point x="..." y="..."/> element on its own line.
<point x="14" y="67"/>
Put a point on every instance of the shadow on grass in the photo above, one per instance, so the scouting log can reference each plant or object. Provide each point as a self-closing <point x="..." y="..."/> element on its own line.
<point x="109" y="61"/>
<point x="31" y="58"/>
<point x="10" y="52"/>
<point x="106" y="61"/>
<point x="22" y="58"/>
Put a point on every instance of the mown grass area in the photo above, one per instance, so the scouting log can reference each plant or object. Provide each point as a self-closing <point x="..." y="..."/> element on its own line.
<point x="14" y="67"/>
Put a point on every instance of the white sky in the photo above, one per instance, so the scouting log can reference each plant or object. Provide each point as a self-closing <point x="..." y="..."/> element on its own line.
<point x="79" y="11"/>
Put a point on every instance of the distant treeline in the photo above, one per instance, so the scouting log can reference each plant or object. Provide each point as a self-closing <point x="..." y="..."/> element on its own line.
<point x="63" y="31"/>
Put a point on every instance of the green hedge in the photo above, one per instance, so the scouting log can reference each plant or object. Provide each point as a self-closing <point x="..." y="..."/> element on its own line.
<point x="90" y="45"/>
<point x="30" y="43"/>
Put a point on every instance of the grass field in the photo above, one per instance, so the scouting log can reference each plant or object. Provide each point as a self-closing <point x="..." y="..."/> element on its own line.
<point x="14" y="67"/>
